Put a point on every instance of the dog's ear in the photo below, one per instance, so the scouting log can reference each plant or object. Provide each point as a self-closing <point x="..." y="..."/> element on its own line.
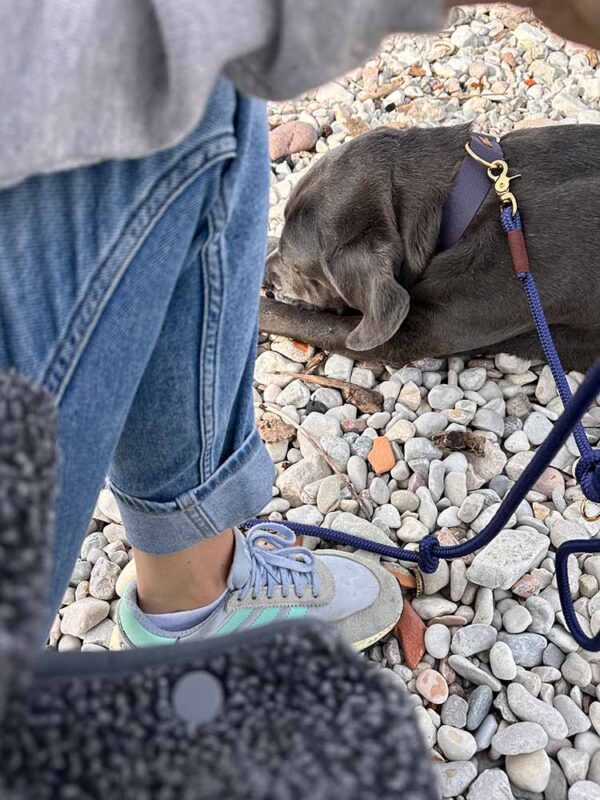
<point x="363" y="273"/>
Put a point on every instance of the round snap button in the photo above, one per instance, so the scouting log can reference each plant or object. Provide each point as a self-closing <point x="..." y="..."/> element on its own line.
<point x="197" y="697"/>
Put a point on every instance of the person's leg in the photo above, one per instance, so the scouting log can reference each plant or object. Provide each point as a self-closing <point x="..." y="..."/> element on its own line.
<point x="89" y="263"/>
<point x="189" y="463"/>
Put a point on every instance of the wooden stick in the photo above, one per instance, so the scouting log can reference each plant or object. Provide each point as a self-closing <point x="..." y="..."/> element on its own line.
<point x="366" y="400"/>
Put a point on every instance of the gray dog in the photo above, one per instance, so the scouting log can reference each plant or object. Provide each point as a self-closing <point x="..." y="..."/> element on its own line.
<point x="361" y="232"/>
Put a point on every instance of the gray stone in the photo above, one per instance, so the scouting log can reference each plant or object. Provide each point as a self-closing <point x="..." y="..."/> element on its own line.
<point x="103" y="579"/>
<point x="443" y="396"/>
<point x="268" y="366"/>
<point x="542" y="615"/>
<point x="306" y="515"/>
<point x="81" y="572"/>
<point x="516" y="619"/>
<point x="430" y="423"/>
<point x="462" y="666"/>
<point x="412" y="530"/>
<point x="338" y="451"/>
<point x="472" y="380"/>
<point x="379" y="491"/>
<point x="69" y="644"/>
<point x="454" y="712"/>
<point x="527" y="648"/>
<point x="292" y="481"/>
<point x="488" y="420"/>
<point x="330" y="398"/>
<point x="486" y="467"/>
<point x="576" y="670"/>
<point x="502" y="662"/>
<point x="545" y="390"/>
<point x="537" y="427"/>
<point x="100" y="634"/>
<point x="401" y="431"/>
<point x="455" y="488"/>
<point x="434" y="582"/>
<point x="82" y="615"/>
<point x="339" y="367"/>
<point x="328" y="495"/>
<point x="404" y="500"/>
<point x="574" y="764"/>
<point x="584" y="790"/>
<point x="437" y="641"/>
<point x="512" y="365"/>
<point x="454" y="778"/>
<point x="471" y="507"/>
<point x="530" y="771"/>
<point x="296" y="394"/>
<point x="317" y="425"/>
<point x="492" y="784"/>
<point x="517" y="442"/>
<point x="526" y="707"/>
<point x="389" y="514"/>
<point x="473" y="639"/>
<point x="348" y="523"/>
<point x="437" y="473"/>
<point x="480" y="703"/>
<point x="420" y="447"/>
<point x="357" y="472"/>
<point x="518" y="406"/>
<point x="94" y="541"/>
<point x="517" y="465"/>
<point x="485" y="733"/>
<point x="115" y="533"/>
<point x="522" y="737"/>
<point x="429" y="607"/>
<point x="458" y="579"/>
<point x="456" y="744"/>
<point x="563" y="530"/>
<point x="557" y="785"/>
<point x="507" y="558"/>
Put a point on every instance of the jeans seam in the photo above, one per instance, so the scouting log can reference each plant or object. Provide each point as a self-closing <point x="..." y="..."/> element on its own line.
<point x="212" y="267"/>
<point x="107" y="276"/>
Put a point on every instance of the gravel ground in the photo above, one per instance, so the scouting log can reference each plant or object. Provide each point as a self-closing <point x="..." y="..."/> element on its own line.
<point x="507" y="702"/>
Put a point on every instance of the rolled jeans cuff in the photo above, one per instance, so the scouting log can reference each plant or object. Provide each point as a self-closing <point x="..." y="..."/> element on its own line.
<point x="236" y="491"/>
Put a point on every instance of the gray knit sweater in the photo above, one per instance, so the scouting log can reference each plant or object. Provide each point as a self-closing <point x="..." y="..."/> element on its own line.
<point x="87" y="80"/>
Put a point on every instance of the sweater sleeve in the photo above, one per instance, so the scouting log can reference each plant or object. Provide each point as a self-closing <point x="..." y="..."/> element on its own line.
<point x="308" y="42"/>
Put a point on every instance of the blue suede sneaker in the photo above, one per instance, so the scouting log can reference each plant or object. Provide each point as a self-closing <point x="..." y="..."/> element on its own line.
<point x="271" y="580"/>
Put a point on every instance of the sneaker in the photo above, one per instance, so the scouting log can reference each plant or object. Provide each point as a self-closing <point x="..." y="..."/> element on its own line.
<point x="272" y="580"/>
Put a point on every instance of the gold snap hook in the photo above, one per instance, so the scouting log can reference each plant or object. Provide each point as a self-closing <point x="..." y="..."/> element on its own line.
<point x="588" y="517"/>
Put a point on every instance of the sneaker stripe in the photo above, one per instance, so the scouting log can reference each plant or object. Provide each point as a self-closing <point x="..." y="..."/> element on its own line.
<point x="138" y="635"/>
<point x="266" y="616"/>
<point x="235" y="621"/>
<point x="297" y="611"/>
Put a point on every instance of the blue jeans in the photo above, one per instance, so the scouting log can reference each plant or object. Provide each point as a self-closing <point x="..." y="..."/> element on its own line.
<point x="129" y="289"/>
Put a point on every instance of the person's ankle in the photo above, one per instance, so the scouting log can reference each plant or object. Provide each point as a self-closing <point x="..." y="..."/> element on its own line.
<point x="186" y="580"/>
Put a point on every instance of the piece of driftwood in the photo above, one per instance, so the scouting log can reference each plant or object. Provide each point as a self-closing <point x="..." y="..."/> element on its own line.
<point x="315" y="362"/>
<point x="458" y="441"/>
<point x="366" y="400"/>
<point x="273" y="429"/>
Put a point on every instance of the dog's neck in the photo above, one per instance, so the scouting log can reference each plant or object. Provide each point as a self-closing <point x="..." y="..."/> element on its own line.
<point x="426" y="163"/>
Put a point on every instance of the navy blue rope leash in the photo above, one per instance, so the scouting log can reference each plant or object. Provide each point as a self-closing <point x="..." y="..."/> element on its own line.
<point x="587" y="471"/>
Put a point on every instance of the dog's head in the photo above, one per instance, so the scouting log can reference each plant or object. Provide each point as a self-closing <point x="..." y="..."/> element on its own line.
<point x="340" y="248"/>
<point x="362" y="224"/>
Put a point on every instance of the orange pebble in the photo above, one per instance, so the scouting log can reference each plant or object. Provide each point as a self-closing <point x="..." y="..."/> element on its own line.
<point x="410" y="632"/>
<point x="381" y="457"/>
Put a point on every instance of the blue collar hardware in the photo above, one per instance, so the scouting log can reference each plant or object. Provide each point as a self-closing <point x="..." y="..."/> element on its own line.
<point x="459" y="212"/>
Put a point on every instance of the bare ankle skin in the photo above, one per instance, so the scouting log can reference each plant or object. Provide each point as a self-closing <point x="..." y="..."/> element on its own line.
<point x="186" y="580"/>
